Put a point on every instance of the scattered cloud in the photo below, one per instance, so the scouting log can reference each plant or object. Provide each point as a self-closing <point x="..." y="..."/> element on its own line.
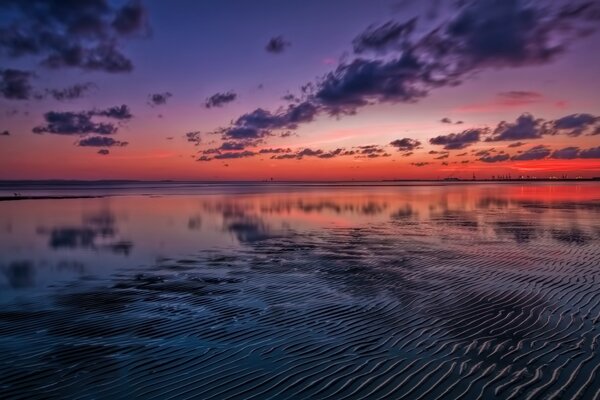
<point x="103" y="152"/>
<point x="494" y="158"/>
<point x="220" y="99"/>
<point x="100" y="141"/>
<point x="81" y="123"/>
<point x="159" y="99"/>
<point x="193" y="137"/>
<point x="534" y="153"/>
<point x="277" y="45"/>
<point x="406" y="144"/>
<point x="70" y="93"/>
<point x="456" y="141"/>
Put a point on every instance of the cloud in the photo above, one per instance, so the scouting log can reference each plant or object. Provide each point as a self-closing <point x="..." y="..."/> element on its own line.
<point x="275" y="150"/>
<point x="456" y="141"/>
<point x="534" y="153"/>
<point x="103" y="152"/>
<point x="419" y="164"/>
<point x="409" y="63"/>
<point x="81" y="123"/>
<point x="590" y="153"/>
<point x="575" y="124"/>
<point x="494" y="158"/>
<point x="121" y="112"/>
<point x="446" y="120"/>
<point x="516" y="144"/>
<point x="159" y="99"/>
<point x="232" y="146"/>
<point x="260" y="123"/>
<point x="220" y="99"/>
<point x="405" y="144"/>
<point x="277" y="45"/>
<point x="80" y="34"/>
<point x="70" y="93"/>
<point x="193" y="137"/>
<point x="5" y="133"/>
<point x="389" y="36"/>
<point x="525" y="127"/>
<point x="15" y="84"/>
<point x="234" y="155"/>
<point x="130" y="19"/>
<point x="100" y="141"/>
<point x="570" y="153"/>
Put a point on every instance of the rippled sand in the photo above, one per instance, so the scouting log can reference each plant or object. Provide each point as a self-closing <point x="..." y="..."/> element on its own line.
<point x="500" y="299"/>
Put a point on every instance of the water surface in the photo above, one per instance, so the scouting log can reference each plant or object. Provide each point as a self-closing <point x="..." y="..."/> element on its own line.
<point x="296" y="291"/>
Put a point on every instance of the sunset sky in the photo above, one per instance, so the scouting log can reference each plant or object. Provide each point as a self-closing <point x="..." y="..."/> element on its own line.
<point x="299" y="90"/>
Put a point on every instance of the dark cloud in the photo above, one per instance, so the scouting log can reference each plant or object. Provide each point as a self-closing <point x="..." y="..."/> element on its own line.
<point x="526" y="127"/>
<point x="233" y="155"/>
<point x="362" y="82"/>
<point x="260" y="123"/>
<point x="220" y="99"/>
<point x="193" y="137"/>
<point x="481" y="35"/>
<point x="406" y="144"/>
<point x="159" y="99"/>
<point x="331" y="154"/>
<point x="534" y="153"/>
<point x="456" y="141"/>
<point x="516" y="144"/>
<point x="130" y="19"/>
<point x="5" y="133"/>
<point x="277" y="45"/>
<point x="570" y="153"/>
<point x="494" y="158"/>
<point x="594" y="152"/>
<point x="80" y="123"/>
<point x="70" y="93"/>
<point x="286" y="154"/>
<point x="232" y="146"/>
<point x="567" y="153"/>
<point x="15" y="84"/>
<point x="391" y="35"/>
<point x="121" y="112"/>
<point x="446" y="120"/>
<point x="419" y="164"/>
<point x="529" y="127"/>
<point x="80" y="34"/>
<point x="103" y="152"/>
<point x="100" y="141"/>
<point x="275" y="150"/>
<point x="575" y="124"/>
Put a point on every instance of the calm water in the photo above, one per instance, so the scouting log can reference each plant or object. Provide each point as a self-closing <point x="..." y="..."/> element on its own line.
<point x="288" y="291"/>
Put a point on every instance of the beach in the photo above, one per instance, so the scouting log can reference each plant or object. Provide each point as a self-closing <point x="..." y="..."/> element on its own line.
<point x="327" y="292"/>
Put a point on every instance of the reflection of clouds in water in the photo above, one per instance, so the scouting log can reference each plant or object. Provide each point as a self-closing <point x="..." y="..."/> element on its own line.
<point x="19" y="274"/>
<point x="250" y="230"/>
<point x="252" y="218"/>
<point x="97" y="232"/>
<point x="195" y="223"/>
<point x="23" y="274"/>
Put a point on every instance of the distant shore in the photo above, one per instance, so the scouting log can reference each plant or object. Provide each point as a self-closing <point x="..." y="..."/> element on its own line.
<point x="14" y="198"/>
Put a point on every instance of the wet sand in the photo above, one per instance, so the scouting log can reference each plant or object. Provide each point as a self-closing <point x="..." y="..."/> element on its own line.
<point x="493" y="304"/>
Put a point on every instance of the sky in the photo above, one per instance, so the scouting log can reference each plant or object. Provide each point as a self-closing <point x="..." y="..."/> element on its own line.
<point x="299" y="90"/>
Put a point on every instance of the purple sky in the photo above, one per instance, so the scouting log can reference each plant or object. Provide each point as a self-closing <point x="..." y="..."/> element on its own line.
<point x="381" y="75"/>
